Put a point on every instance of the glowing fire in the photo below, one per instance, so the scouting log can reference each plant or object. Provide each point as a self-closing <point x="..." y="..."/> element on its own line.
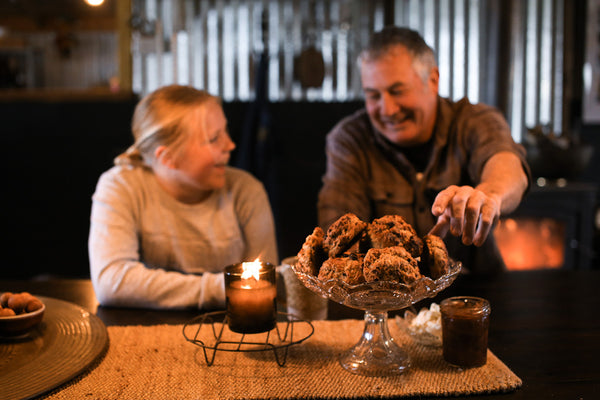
<point x="251" y="269"/>
<point x="530" y="243"/>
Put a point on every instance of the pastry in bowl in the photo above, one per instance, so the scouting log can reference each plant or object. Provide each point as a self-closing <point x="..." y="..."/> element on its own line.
<point x="434" y="260"/>
<point x="19" y="313"/>
<point x="343" y="234"/>
<point x="390" y="264"/>
<point x="312" y="254"/>
<point x="347" y="269"/>
<point x="393" y="230"/>
<point x="385" y="249"/>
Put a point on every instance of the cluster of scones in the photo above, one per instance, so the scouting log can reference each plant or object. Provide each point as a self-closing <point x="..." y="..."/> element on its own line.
<point x="386" y="249"/>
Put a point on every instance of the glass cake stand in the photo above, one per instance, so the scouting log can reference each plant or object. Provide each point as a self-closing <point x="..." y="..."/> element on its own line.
<point x="376" y="353"/>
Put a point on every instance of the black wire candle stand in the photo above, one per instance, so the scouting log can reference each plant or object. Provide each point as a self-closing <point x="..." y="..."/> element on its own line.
<point x="216" y="321"/>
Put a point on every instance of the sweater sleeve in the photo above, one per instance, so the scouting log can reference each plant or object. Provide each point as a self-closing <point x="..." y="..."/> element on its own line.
<point x="118" y="275"/>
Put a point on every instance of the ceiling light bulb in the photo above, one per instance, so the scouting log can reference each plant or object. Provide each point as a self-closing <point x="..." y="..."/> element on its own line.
<point x="94" y="2"/>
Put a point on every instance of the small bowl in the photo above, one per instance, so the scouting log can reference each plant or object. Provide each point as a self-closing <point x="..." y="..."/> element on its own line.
<point x="19" y="325"/>
<point x="423" y="337"/>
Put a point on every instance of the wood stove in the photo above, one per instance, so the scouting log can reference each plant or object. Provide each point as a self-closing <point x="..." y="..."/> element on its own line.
<point x="552" y="228"/>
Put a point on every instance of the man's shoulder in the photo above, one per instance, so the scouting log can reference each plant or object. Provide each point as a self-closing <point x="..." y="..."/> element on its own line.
<point x="354" y="125"/>
<point x="466" y="116"/>
<point x="357" y="118"/>
<point x="464" y="107"/>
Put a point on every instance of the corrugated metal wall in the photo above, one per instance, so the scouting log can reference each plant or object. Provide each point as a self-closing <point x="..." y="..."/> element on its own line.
<point x="217" y="44"/>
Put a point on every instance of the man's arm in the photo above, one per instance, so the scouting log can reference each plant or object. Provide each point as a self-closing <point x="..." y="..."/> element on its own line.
<point x="472" y="211"/>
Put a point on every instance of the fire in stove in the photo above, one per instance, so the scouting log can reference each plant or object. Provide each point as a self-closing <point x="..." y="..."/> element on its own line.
<point x="531" y="243"/>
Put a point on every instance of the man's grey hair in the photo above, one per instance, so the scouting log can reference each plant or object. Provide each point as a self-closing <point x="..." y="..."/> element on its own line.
<point x="382" y="42"/>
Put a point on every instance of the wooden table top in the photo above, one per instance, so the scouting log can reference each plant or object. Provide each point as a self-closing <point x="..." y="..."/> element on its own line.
<point x="544" y="324"/>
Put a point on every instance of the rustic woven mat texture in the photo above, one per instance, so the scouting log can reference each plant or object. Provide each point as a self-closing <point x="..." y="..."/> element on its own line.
<point x="157" y="362"/>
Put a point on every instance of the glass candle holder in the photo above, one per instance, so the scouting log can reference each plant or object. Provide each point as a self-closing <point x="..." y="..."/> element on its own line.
<point x="251" y="297"/>
<point x="465" y="325"/>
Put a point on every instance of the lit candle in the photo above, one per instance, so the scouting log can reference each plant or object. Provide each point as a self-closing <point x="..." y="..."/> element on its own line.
<point x="251" y="293"/>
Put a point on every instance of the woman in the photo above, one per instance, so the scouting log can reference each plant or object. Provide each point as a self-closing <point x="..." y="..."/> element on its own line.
<point x="170" y="215"/>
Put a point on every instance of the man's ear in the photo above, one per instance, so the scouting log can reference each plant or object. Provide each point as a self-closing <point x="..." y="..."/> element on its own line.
<point x="163" y="155"/>
<point x="434" y="78"/>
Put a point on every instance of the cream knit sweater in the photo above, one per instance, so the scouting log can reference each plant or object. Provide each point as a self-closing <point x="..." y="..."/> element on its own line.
<point x="148" y="250"/>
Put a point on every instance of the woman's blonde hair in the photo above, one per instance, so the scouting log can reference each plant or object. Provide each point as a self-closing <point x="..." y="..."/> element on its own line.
<point x="157" y="121"/>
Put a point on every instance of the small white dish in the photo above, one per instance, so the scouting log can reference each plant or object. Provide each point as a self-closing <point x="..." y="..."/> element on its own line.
<point x="431" y="338"/>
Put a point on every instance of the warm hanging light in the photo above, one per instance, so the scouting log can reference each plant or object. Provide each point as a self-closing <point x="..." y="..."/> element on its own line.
<point x="94" y="3"/>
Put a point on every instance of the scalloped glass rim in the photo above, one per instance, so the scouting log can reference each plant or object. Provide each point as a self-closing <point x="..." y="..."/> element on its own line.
<point x="381" y="295"/>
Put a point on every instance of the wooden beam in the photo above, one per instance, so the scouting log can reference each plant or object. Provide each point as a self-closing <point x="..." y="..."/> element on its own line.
<point x="27" y="24"/>
<point x="124" y="32"/>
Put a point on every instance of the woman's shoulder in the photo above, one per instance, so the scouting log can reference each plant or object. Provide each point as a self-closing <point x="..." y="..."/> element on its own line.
<point x="239" y="176"/>
<point x="241" y="181"/>
<point x="126" y="173"/>
<point x="125" y="176"/>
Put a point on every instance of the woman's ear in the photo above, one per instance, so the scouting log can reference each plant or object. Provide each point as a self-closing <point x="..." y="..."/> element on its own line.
<point x="164" y="157"/>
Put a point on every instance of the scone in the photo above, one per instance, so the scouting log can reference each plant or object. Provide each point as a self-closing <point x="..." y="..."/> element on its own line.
<point x="390" y="264"/>
<point x="393" y="230"/>
<point x="312" y="254"/>
<point x="434" y="260"/>
<point x="346" y="269"/>
<point x="387" y="249"/>
<point x="343" y="233"/>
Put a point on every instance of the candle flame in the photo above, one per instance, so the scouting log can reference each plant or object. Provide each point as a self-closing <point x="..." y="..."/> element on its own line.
<point x="251" y="269"/>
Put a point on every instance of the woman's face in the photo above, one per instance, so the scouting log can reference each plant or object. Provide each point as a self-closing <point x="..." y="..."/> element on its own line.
<point x="201" y="163"/>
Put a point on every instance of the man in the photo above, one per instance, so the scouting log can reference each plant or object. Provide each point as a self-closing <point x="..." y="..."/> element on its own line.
<point x="444" y="166"/>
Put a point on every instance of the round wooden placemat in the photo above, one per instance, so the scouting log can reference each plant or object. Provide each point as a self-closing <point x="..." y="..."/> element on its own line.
<point x="67" y="341"/>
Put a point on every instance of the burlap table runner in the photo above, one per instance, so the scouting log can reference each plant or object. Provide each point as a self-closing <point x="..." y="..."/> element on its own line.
<point x="157" y="362"/>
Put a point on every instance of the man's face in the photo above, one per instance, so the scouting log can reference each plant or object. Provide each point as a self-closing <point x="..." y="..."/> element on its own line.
<point x="400" y="105"/>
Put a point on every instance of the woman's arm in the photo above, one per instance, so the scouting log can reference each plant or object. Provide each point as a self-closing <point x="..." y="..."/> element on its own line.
<point x="118" y="275"/>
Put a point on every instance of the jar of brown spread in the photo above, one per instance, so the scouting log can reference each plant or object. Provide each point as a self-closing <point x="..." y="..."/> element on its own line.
<point x="465" y="325"/>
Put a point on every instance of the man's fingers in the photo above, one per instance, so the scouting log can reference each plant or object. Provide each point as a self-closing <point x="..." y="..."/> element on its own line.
<point x="442" y="200"/>
<point x="472" y="217"/>
<point x="487" y="219"/>
<point x="441" y="227"/>
<point x="466" y="213"/>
